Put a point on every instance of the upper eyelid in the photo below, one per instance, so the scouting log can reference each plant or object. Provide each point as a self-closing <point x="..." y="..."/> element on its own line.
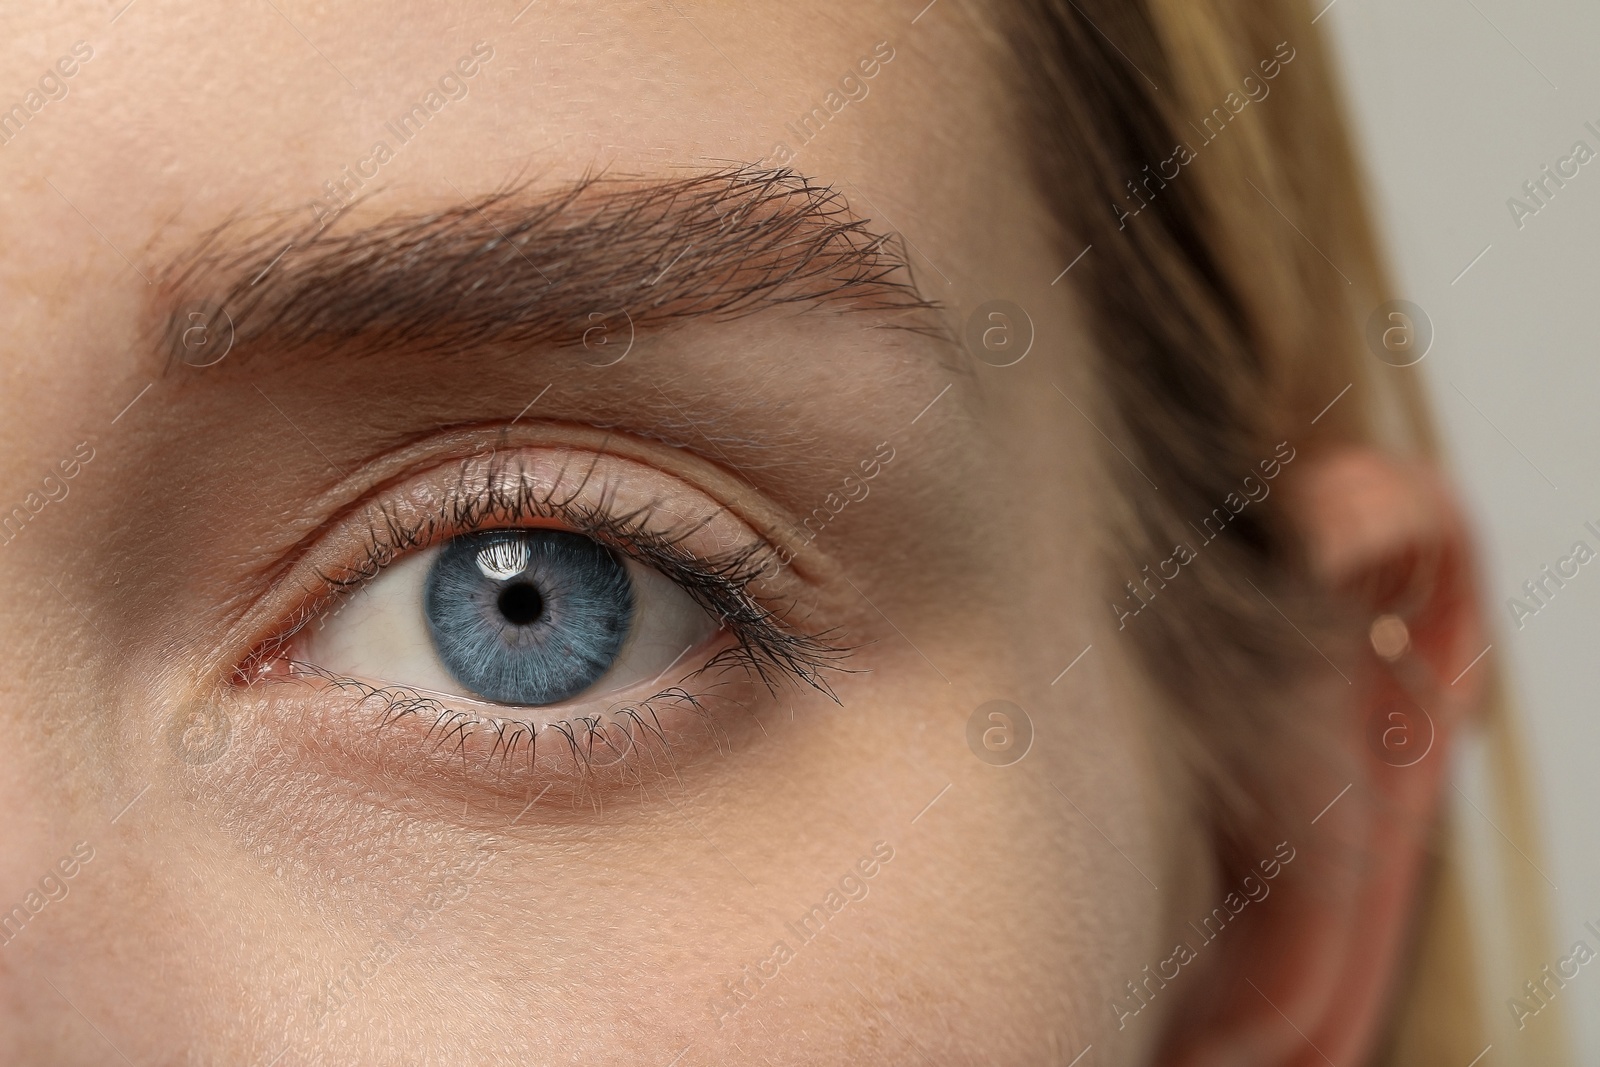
<point x="416" y="461"/>
<point x="621" y="530"/>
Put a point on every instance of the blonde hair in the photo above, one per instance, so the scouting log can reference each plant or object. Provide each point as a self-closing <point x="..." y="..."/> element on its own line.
<point x="1228" y="294"/>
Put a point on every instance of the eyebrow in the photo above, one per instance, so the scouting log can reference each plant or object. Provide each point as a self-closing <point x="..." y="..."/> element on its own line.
<point x="521" y="268"/>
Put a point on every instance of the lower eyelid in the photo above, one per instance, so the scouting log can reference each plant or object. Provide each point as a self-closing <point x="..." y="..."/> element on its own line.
<point x="421" y="744"/>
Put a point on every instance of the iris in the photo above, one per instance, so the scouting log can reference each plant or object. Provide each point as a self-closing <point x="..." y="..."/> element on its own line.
<point x="528" y="616"/>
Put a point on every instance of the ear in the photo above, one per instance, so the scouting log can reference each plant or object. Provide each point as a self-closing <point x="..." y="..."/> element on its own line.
<point x="1310" y="977"/>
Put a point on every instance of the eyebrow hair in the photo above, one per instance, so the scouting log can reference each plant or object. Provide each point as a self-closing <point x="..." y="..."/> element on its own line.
<point x="520" y="268"/>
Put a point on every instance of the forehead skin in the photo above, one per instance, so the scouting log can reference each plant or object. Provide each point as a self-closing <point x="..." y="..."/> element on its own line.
<point x="220" y="905"/>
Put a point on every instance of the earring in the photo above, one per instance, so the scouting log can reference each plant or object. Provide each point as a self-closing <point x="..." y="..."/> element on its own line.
<point x="1401" y="735"/>
<point x="1390" y="637"/>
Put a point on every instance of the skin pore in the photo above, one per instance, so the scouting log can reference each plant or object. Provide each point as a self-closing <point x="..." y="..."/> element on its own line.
<point x="586" y="909"/>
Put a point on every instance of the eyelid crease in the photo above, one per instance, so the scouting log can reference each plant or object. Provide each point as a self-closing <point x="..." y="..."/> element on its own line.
<point x="464" y="443"/>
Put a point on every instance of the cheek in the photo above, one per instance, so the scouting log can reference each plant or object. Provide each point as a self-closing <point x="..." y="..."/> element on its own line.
<point x="787" y="816"/>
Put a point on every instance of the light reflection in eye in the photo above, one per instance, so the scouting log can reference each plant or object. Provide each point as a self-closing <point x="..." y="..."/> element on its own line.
<point x="504" y="558"/>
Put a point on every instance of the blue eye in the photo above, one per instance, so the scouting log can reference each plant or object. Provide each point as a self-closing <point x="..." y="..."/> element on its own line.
<point x="527" y="617"/>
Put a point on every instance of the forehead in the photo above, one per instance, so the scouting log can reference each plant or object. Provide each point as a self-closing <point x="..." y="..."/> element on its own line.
<point x="184" y="115"/>
<point x="176" y="119"/>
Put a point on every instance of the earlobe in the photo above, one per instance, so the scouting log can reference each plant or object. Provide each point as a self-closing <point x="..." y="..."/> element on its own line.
<point x="1384" y="541"/>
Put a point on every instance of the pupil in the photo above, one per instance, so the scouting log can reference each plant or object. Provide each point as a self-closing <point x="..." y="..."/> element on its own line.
<point x="520" y="603"/>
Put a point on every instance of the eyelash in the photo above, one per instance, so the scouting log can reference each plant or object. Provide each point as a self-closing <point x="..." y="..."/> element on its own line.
<point x="766" y="648"/>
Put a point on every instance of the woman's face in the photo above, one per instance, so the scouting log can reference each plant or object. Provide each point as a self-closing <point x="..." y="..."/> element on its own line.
<point x="488" y="802"/>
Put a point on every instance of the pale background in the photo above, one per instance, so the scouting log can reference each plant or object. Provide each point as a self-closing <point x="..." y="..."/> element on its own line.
<point x="1456" y="104"/>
